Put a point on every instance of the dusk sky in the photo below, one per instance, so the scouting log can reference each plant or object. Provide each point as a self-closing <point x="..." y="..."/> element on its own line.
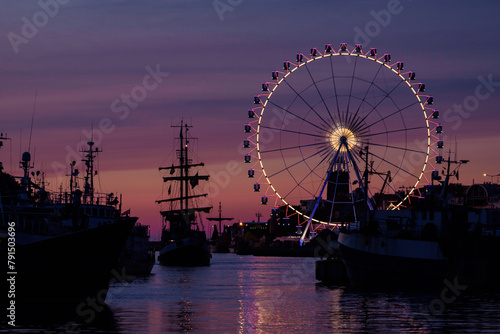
<point x="203" y="61"/>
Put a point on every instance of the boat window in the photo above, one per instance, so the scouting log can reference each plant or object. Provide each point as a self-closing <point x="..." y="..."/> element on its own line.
<point x="424" y="215"/>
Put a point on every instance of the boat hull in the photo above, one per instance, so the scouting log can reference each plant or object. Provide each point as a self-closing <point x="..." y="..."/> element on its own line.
<point x="366" y="267"/>
<point x="186" y="252"/>
<point x="70" y="268"/>
<point x="137" y="257"/>
<point x="375" y="260"/>
<point x="137" y="267"/>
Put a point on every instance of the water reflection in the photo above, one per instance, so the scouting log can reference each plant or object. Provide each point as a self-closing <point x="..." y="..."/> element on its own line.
<point x="56" y="318"/>
<point x="347" y="309"/>
<point x="363" y="311"/>
<point x="270" y="295"/>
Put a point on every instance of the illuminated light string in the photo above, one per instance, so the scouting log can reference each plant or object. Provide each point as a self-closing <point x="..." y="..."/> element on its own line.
<point x="338" y="130"/>
<point x="342" y="131"/>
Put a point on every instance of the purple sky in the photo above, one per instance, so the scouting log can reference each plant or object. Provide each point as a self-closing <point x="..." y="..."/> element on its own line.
<point x="87" y="53"/>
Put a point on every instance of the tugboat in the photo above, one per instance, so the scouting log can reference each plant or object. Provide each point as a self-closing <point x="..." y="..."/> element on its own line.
<point x="60" y="257"/>
<point x="183" y="244"/>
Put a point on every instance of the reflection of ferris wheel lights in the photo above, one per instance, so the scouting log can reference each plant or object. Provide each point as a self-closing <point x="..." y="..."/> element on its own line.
<point x="340" y="135"/>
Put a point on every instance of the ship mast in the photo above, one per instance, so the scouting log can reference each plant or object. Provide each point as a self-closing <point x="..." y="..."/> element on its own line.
<point x="220" y="219"/>
<point x="2" y="138"/>
<point x="184" y="169"/>
<point x="90" y="155"/>
<point x="183" y="214"/>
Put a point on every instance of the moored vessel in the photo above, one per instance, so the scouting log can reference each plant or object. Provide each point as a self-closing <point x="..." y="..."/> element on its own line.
<point x="184" y="244"/>
<point x="138" y="257"/>
<point x="58" y="256"/>
<point x="442" y="237"/>
<point x="220" y="239"/>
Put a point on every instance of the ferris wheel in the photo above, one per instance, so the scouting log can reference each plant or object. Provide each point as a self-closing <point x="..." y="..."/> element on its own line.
<point x="329" y="120"/>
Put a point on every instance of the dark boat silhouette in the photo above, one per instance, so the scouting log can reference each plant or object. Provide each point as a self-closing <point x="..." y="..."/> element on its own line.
<point x="65" y="246"/>
<point x="137" y="257"/>
<point x="183" y="243"/>
<point x="443" y="239"/>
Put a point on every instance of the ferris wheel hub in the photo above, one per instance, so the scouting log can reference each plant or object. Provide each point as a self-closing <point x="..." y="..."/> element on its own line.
<point x="341" y="138"/>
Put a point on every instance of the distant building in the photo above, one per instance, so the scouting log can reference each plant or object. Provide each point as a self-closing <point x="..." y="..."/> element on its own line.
<point x="486" y="195"/>
<point x="257" y="229"/>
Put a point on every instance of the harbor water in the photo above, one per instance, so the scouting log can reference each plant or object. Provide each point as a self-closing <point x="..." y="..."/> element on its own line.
<point x="249" y="294"/>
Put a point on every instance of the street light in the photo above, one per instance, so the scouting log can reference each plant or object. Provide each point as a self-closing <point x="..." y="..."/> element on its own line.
<point x="492" y="176"/>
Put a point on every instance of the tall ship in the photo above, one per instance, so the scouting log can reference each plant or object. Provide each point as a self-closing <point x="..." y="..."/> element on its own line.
<point x="184" y="244"/>
<point x="64" y="246"/>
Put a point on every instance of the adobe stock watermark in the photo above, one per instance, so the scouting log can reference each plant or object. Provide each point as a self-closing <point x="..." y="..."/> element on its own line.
<point x="222" y="178"/>
<point x="223" y="6"/>
<point x="470" y="104"/>
<point x="279" y="120"/>
<point x="296" y="276"/>
<point x="381" y="19"/>
<point x="453" y="116"/>
<point x="31" y="27"/>
<point x="89" y="309"/>
<point x="121" y="108"/>
<point x="448" y="295"/>
<point x="411" y="161"/>
<point x="219" y="180"/>
<point x="139" y="93"/>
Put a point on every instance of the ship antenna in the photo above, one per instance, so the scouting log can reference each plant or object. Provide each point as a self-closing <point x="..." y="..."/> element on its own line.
<point x="89" y="156"/>
<point x="456" y="148"/>
<point x="2" y="138"/>
<point x="32" y="120"/>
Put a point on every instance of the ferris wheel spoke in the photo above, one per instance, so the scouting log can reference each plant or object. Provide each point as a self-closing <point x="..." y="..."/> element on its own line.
<point x="307" y="103"/>
<point x="335" y="89"/>
<point x="394" y="165"/>
<point x="299" y="184"/>
<point x="382" y="100"/>
<point x="292" y="131"/>
<point x="372" y="83"/>
<point x="320" y="95"/>
<point x="350" y="90"/>
<point x="393" y="147"/>
<point x="395" y="131"/>
<point x="290" y="148"/>
<point x="319" y="152"/>
<point x="392" y="114"/>
<point x="299" y="117"/>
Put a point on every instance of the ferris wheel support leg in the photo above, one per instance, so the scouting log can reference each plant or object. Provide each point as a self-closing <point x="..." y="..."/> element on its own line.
<point x="334" y="161"/>
<point x="358" y="175"/>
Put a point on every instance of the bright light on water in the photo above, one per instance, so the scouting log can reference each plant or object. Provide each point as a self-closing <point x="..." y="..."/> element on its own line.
<point x="248" y="294"/>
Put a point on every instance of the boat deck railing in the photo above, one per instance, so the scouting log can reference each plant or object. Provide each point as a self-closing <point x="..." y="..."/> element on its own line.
<point x="96" y="199"/>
